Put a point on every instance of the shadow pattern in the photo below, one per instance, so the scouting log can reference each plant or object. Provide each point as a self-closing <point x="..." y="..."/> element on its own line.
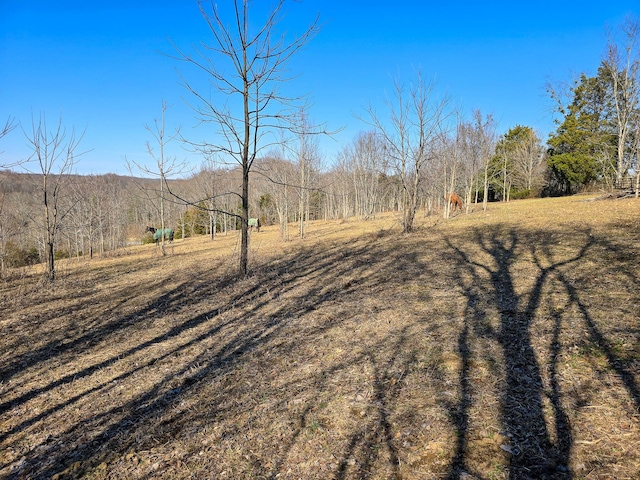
<point x="342" y="360"/>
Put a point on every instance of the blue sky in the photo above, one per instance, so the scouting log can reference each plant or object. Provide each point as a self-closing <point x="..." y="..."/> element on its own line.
<point x="103" y="66"/>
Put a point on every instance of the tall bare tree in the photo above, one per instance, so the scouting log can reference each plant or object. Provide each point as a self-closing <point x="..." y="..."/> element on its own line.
<point x="164" y="168"/>
<point x="306" y="152"/>
<point x="246" y="63"/>
<point x="528" y="158"/>
<point x="451" y="161"/>
<point x="415" y="124"/>
<point x="54" y="152"/>
<point x="487" y="132"/>
<point x="281" y="176"/>
<point x="622" y="62"/>
<point x="478" y="143"/>
<point x="208" y="186"/>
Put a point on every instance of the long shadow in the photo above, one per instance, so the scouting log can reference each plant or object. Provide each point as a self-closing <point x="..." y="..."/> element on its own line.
<point x="114" y="430"/>
<point x="374" y="436"/>
<point x="252" y="299"/>
<point x="618" y="262"/>
<point x="162" y="305"/>
<point x="599" y="339"/>
<point x="374" y="446"/>
<point x="90" y="339"/>
<point x="460" y="412"/>
<point x="377" y="431"/>
<point x="534" y="454"/>
<point x="94" y="334"/>
<point x="105" y="364"/>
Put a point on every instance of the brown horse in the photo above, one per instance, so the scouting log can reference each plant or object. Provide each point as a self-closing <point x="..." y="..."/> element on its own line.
<point x="455" y="201"/>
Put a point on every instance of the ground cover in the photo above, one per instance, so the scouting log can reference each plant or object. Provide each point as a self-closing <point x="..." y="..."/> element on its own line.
<point x="500" y="344"/>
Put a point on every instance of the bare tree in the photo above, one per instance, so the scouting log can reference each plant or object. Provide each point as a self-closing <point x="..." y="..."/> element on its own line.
<point x="165" y="167"/>
<point x="307" y="161"/>
<point x="416" y="121"/>
<point x="98" y="220"/>
<point x="635" y="149"/>
<point x="451" y="157"/>
<point x="55" y="154"/>
<point x="623" y="65"/>
<point x="363" y="160"/>
<point x="280" y="174"/>
<point x="487" y="133"/>
<point x="256" y="59"/>
<point x="528" y="157"/>
<point x="208" y="188"/>
<point x="4" y="131"/>
<point x="478" y="143"/>
<point x="339" y="192"/>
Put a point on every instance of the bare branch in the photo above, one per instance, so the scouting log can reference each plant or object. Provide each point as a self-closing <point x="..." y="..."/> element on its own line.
<point x="247" y="67"/>
<point x="55" y="155"/>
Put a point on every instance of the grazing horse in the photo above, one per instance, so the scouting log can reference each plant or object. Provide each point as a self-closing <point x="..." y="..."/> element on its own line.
<point x="159" y="233"/>
<point x="455" y="201"/>
<point x="255" y="222"/>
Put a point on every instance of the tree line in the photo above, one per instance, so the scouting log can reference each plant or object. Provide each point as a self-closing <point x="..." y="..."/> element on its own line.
<point x="265" y="160"/>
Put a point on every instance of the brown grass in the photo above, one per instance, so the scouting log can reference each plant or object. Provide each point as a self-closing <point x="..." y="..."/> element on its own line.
<point x="496" y="345"/>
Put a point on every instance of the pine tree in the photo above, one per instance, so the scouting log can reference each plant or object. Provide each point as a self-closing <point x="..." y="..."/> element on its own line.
<point x="583" y="147"/>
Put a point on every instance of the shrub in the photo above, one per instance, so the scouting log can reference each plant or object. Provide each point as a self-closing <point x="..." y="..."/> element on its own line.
<point x="147" y="238"/>
<point x="520" y="194"/>
<point x="21" y="257"/>
<point x="61" y="254"/>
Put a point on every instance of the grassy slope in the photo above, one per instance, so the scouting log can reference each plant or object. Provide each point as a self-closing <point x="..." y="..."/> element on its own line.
<point x="495" y="344"/>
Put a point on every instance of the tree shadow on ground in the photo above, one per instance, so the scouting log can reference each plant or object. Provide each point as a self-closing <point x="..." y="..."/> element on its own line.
<point x="539" y="445"/>
<point x="239" y="329"/>
<point x="313" y="367"/>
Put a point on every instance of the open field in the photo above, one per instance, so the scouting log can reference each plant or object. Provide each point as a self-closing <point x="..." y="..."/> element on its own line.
<point x="496" y="345"/>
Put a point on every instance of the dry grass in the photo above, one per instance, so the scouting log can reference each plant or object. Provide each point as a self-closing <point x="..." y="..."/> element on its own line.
<point x="495" y="345"/>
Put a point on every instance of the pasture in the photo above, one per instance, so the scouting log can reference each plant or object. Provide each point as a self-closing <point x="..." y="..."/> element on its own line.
<point x="494" y="345"/>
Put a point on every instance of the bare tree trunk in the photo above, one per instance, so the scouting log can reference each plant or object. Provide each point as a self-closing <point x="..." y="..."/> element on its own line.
<point x="452" y="183"/>
<point x="485" y="186"/>
<point x="254" y="75"/>
<point x="52" y="151"/>
<point x="447" y="204"/>
<point x="162" y="180"/>
<point x="624" y="69"/>
<point x="163" y="169"/>
<point x="302" y="195"/>
<point x="504" y="180"/>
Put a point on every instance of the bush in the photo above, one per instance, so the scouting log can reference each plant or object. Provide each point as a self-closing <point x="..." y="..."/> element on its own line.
<point x="21" y="257"/>
<point x="520" y="194"/>
<point x="147" y="238"/>
<point x="61" y="254"/>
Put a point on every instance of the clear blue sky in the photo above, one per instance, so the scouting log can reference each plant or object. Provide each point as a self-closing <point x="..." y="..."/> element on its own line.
<point x="102" y="65"/>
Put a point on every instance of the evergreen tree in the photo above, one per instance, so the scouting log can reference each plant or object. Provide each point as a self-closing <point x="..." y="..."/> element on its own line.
<point x="583" y="147"/>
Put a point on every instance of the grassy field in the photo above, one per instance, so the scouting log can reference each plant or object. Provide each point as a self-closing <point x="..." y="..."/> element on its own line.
<point x="494" y="345"/>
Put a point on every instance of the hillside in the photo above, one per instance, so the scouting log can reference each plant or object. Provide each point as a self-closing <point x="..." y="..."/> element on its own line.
<point x="495" y="345"/>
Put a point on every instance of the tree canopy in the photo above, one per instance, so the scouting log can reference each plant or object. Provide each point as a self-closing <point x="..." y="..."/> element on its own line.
<point x="583" y="146"/>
